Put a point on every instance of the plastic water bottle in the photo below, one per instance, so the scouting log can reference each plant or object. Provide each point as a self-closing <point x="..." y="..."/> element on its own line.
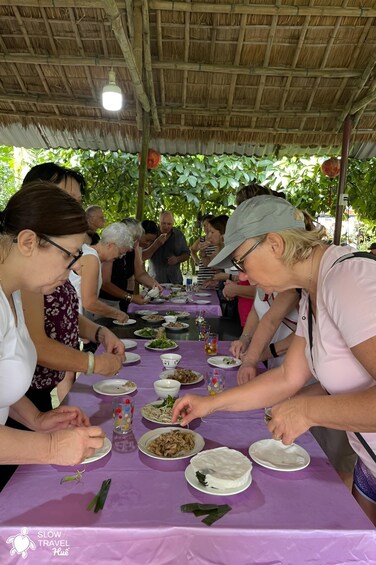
<point x="188" y="282"/>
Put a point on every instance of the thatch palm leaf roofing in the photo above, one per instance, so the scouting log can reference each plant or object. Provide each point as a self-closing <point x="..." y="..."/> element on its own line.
<point x="250" y="77"/>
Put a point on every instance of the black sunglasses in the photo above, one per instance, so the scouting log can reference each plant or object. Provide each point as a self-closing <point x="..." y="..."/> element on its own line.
<point x="239" y="263"/>
<point x="74" y="257"/>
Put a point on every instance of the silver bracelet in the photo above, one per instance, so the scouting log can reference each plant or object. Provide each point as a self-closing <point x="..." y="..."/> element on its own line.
<point x="247" y="336"/>
<point x="90" y="363"/>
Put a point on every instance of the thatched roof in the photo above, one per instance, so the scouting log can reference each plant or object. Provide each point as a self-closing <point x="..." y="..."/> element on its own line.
<point x="258" y="76"/>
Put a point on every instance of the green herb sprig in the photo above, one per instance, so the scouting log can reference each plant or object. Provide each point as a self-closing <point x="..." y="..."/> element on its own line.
<point x="213" y="511"/>
<point x="100" y="498"/>
<point x="76" y="477"/>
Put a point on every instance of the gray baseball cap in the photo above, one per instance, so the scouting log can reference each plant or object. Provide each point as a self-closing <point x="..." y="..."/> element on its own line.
<point x="256" y="216"/>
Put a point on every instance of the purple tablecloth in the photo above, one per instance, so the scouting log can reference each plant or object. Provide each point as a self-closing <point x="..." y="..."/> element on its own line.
<point x="286" y="518"/>
<point x="212" y="309"/>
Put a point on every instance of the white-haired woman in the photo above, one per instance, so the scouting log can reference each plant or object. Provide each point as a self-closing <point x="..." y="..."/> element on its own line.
<point x="116" y="240"/>
<point x="335" y="339"/>
<point x="119" y="275"/>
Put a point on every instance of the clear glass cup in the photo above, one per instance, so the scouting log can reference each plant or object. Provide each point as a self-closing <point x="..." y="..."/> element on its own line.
<point x="123" y="410"/>
<point x="215" y="381"/>
<point x="211" y="344"/>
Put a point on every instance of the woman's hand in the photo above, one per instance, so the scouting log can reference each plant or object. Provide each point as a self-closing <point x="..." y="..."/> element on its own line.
<point x="139" y="299"/>
<point x="190" y="407"/>
<point x="289" y="419"/>
<point x="71" y="447"/>
<point x="60" y="418"/>
<point x="121" y="317"/>
<point x="230" y="290"/>
<point x="111" y="342"/>
<point x="247" y="371"/>
<point x="238" y="347"/>
<point x="108" y="364"/>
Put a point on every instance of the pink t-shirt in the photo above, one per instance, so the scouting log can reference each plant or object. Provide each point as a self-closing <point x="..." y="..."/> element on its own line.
<point x="345" y="317"/>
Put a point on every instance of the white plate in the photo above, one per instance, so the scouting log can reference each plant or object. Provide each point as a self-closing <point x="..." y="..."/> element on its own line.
<point x="148" y="321"/>
<point x="176" y="288"/>
<point x="114" y="387"/>
<point x="273" y="454"/>
<point x="202" y="302"/>
<point x="167" y="375"/>
<point x="131" y="358"/>
<point x="167" y="285"/>
<point x="202" y="294"/>
<point x="137" y="333"/>
<point x="127" y="323"/>
<point x="99" y="453"/>
<point x="179" y="314"/>
<point x="129" y="343"/>
<point x="178" y="300"/>
<point x="184" y="327"/>
<point x="158" y="300"/>
<point x="147" y="346"/>
<point x="144" y="441"/>
<point x="217" y="361"/>
<point x="144" y="312"/>
<point x="154" y="420"/>
<point x="191" y="478"/>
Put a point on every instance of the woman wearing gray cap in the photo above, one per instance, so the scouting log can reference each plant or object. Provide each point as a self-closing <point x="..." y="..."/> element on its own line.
<point x="335" y="339"/>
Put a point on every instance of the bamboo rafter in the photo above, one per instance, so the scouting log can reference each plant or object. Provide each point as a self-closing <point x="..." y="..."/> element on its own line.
<point x="147" y="63"/>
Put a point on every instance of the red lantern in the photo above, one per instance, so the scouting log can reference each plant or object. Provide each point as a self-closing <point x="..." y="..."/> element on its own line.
<point x="331" y="167"/>
<point x="154" y="158"/>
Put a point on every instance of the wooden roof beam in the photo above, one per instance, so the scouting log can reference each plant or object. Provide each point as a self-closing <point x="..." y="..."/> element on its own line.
<point x="234" y="8"/>
<point x="113" y="14"/>
<point x="148" y="66"/>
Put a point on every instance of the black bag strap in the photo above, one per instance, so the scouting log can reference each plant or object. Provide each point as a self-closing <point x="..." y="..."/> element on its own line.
<point x="365" y="255"/>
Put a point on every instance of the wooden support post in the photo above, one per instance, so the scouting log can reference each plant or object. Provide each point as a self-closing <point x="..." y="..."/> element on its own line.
<point x="347" y="126"/>
<point x="142" y="168"/>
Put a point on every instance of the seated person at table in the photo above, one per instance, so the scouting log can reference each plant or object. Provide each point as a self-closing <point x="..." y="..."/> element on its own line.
<point x="54" y="323"/>
<point x="42" y="229"/>
<point x="335" y="339"/>
<point x="164" y="264"/>
<point x="115" y="241"/>
<point x="118" y="276"/>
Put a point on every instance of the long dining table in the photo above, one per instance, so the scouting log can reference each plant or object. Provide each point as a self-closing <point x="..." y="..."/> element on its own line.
<point x="305" y="516"/>
<point x="194" y="304"/>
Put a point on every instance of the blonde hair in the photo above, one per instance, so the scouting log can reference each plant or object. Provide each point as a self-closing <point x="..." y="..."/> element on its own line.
<point x="299" y="243"/>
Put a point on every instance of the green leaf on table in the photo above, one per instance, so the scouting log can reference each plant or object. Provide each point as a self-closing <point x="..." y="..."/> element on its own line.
<point x="216" y="514"/>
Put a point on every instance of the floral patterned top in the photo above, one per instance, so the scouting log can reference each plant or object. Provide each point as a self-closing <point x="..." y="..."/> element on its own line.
<point x="60" y="323"/>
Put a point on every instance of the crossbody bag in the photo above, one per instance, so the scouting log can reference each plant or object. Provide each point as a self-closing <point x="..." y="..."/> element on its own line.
<point x="366" y="446"/>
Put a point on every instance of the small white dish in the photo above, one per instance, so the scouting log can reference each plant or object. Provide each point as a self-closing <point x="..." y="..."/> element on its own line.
<point x="170" y="360"/>
<point x="170" y="319"/>
<point x="170" y="348"/>
<point x="131" y="358"/>
<point x="129" y="322"/>
<point x="191" y="478"/>
<point x="169" y="375"/>
<point x="181" y="328"/>
<point x="144" y="312"/>
<point x="221" y="362"/>
<point x="114" y="387"/>
<point x="166" y="387"/>
<point x="202" y="294"/>
<point x="147" y="438"/>
<point x="277" y="456"/>
<point x="202" y="302"/>
<point x="153" y="293"/>
<point x="178" y="300"/>
<point x="129" y="343"/>
<point x="99" y="453"/>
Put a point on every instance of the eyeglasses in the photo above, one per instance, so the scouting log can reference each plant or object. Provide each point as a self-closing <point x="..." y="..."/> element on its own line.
<point x="68" y="253"/>
<point x="239" y="263"/>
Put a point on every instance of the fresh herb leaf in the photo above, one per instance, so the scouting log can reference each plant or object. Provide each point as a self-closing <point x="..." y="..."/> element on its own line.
<point x="201" y="478"/>
<point x="216" y="514"/>
<point x="76" y="477"/>
<point x="196" y="506"/>
<point x="100" y="498"/>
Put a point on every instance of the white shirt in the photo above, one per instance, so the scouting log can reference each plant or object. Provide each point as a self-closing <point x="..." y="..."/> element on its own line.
<point x="18" y="356"/>
<point x="76" y="279"/>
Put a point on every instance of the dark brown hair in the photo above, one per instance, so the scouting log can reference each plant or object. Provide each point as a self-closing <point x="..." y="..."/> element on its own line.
<point x="52" y="172"/>
<point x="250" y="191"/>
<point x="219" y="223"/>
<point x="45" y="209"/>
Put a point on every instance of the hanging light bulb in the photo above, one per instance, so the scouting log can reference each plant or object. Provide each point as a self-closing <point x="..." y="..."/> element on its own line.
<point x="112" y="98"/>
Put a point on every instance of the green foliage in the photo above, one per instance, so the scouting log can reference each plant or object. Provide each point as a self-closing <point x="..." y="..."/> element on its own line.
<point x="196" y="184"/>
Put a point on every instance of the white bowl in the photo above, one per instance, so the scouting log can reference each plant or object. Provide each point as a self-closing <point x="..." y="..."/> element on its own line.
<point x="166" y="387"/>
<point x="153" y="293"/>
<point x="170" y="360"/>
<point x="178" y="300"/>
<point x="170" y="319"/>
